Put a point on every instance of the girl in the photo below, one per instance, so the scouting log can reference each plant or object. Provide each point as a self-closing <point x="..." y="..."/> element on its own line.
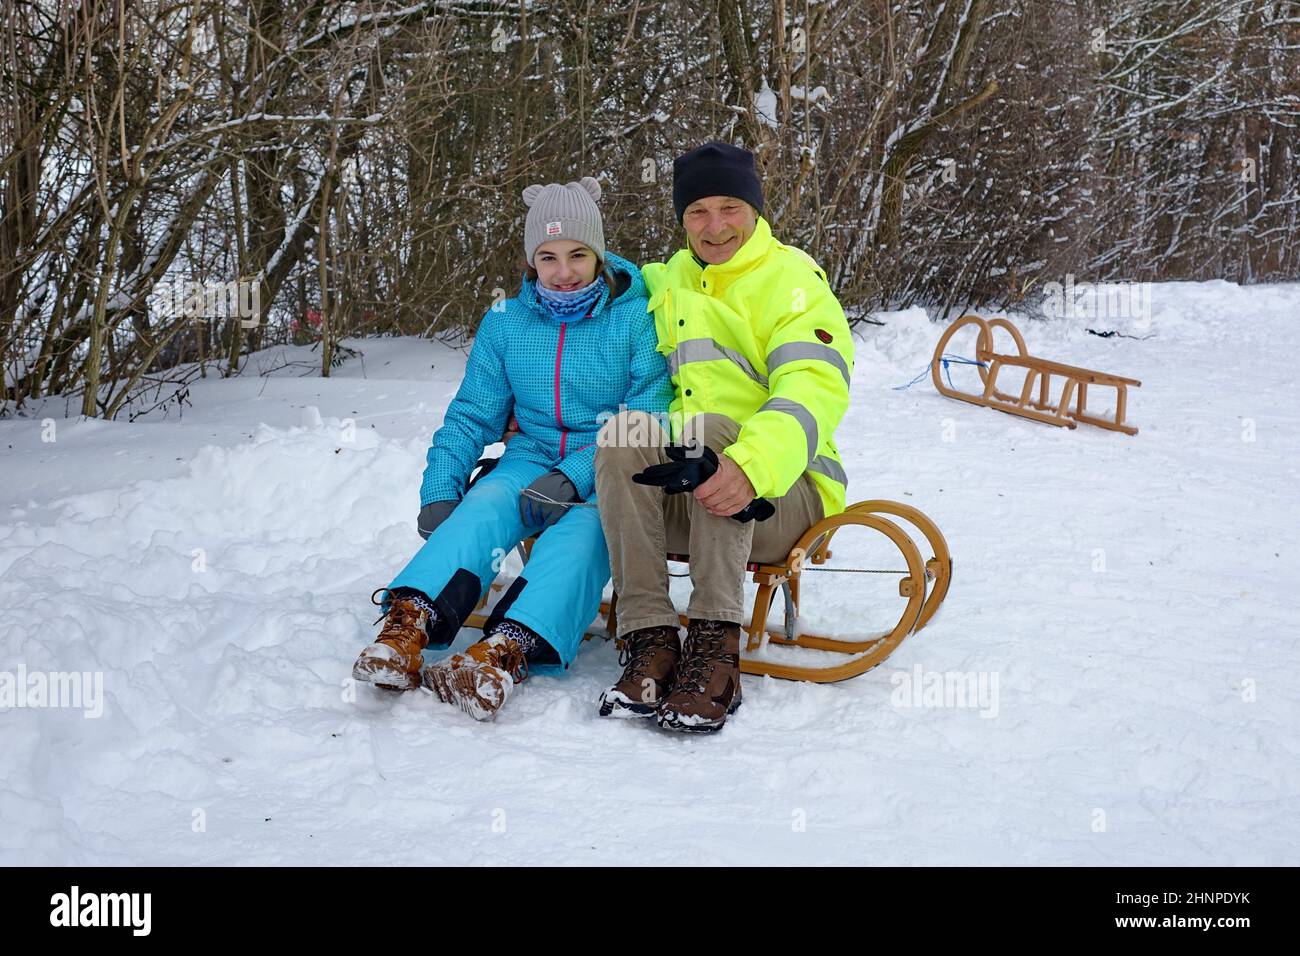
<point x="566" y="353"/>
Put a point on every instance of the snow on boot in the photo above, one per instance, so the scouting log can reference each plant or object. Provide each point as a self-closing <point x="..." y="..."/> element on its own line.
<point x="649" y="656"/>
<point x="393" y="662"/>
<point x="480" y="680"/>
<point x="707" y="685"/>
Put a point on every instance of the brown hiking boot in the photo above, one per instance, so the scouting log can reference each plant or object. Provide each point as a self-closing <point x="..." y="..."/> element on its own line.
<point x="393" y="662"/>
<point x="650" y="658"/>
<point x="707" y="686"/>
<point x="479" y="680"/>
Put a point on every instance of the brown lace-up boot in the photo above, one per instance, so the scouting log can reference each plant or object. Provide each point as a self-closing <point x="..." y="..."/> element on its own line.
<point x="707" y="685"/>
<point x="479" y="680"/>
<point x="650" y="658"/>
<point x="393" y="662"/>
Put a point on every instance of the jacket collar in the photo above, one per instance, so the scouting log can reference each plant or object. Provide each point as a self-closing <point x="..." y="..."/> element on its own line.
<point x="627" y="282"/>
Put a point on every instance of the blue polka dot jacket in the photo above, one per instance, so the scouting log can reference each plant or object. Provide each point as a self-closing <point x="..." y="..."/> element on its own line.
<point x="562" y="380"/>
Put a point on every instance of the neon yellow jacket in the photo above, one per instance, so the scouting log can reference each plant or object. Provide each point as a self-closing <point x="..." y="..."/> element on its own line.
<point x="762" y="339"/>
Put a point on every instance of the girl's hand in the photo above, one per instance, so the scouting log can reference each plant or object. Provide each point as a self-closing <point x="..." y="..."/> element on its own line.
<point x="432" y="515"/>
<point x="554" y="485"/>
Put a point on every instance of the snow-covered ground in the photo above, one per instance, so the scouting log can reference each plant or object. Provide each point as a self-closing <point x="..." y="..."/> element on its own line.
<point x="1128" y="605"/>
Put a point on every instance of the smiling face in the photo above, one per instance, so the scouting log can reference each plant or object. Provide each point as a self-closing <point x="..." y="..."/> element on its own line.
<point x="564" y="265"/>
<point x="717" y="226"/>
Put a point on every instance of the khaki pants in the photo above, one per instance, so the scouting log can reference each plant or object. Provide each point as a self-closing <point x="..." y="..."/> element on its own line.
<point x="642" y="524"/>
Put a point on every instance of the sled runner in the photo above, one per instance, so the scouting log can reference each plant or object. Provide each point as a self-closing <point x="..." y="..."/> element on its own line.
<point x="1037" y="370"/>
<point x="923" y="585"/>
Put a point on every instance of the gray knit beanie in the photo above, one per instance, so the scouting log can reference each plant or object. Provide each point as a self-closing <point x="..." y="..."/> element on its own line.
<point x="565" y="211"/>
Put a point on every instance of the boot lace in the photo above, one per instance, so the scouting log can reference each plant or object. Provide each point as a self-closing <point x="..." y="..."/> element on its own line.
<point x="635" y="655"/>
<point x="402" y="616"/>
<point x="702" y="649"/>
<point x="510" y="657"/>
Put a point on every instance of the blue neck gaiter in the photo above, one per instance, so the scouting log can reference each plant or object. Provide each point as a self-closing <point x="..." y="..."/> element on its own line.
<point x="565" y="306"/>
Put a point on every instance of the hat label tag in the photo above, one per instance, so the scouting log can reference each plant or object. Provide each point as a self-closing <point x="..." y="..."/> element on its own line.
<point x="553" y="228"/>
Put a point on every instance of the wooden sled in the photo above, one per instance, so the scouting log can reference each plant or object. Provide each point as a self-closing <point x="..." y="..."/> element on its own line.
<point x="1038" y="370"/>
<point x="924" y="586"/>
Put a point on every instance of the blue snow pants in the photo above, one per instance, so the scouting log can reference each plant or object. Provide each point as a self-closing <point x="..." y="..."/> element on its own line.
<point x="558" y="593"/>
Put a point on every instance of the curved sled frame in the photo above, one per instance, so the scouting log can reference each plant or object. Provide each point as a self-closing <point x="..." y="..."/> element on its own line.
<point x="1037" y="371"/>
<point x="924" y="586"/>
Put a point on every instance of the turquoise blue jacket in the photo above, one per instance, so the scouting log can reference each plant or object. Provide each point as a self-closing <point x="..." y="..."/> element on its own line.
<point x="561" y="380"/>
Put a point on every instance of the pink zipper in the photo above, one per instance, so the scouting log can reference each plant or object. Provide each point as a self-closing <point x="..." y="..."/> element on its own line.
<point x="559" y="350"/>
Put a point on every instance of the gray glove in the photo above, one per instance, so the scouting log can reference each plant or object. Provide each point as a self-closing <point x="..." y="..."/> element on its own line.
<point x="554" y="485"/>
<point x="432" y="515"/>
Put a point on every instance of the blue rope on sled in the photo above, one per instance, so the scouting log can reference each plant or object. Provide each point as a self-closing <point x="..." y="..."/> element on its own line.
<point x="945" y="360"/>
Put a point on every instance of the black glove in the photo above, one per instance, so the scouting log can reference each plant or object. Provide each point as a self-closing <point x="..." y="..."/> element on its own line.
<point x="432" y="515"/>
<point x="555" y="485"/>
<point x="691" y="467"/>
<point x="760" y="509"/>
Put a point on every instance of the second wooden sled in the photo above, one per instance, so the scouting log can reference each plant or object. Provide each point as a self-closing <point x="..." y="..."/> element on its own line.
<point x="1037" y="371"/>
<point x="923" y="587"/>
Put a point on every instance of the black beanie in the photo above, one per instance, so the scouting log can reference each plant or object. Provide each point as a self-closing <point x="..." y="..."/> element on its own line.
<point x="715" y="169"/>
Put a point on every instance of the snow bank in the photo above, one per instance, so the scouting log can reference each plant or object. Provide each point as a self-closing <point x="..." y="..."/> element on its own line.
<point x="1131" y="600"/>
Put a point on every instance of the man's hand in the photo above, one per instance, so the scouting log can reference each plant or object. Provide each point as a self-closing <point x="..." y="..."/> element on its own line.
<point x="717" y="482"/>
<point x="727" y="492"/>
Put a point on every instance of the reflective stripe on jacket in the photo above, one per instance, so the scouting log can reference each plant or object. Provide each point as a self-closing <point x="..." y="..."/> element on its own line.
<point x="762" y="339"/>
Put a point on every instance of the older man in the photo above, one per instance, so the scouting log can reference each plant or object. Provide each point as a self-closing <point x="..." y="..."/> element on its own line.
<point x="761" y="356"/>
